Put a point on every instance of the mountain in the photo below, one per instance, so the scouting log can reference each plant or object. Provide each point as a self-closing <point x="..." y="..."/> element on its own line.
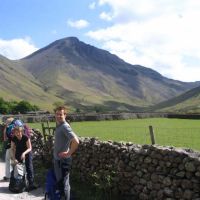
<point x="16" y="83"/>
<point x="188" y="102"/>
<point x="84" y="76"/>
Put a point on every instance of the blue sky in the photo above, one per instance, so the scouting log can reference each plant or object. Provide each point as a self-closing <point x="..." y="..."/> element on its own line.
<point x="159" y="34"/>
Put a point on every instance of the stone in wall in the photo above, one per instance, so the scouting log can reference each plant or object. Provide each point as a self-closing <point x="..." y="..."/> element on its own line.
<point x="148" y="172"/>
<point x="140" y="171"/>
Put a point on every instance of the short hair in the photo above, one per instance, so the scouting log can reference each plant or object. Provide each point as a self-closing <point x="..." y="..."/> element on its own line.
<point x="59" y="108"/>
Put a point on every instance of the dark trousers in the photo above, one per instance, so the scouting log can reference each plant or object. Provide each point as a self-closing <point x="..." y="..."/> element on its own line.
<point x="62" y="171"/>
<point x="29" y="168"/>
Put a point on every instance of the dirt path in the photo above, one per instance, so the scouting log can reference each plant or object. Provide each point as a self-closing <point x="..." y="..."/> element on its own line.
<point x="5" y="194"/>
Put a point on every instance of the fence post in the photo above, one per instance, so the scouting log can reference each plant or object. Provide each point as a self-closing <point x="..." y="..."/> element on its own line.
<point x="43" y="131"/>
<point x="48" y="127"/>
<point x="152" y="135"/>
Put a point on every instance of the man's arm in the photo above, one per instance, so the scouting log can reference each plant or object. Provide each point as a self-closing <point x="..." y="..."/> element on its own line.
<point x="73" y="146"/>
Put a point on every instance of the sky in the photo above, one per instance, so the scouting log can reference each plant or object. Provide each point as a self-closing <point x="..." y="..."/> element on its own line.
<point x="163" y="35"/>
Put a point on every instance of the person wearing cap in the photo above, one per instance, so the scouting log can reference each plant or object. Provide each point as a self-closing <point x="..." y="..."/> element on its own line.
<point x="22" y="152"/>
<point x="7" y="141"/>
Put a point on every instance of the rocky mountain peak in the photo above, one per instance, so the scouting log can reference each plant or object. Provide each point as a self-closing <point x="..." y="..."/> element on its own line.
<point x="78" y="72"/>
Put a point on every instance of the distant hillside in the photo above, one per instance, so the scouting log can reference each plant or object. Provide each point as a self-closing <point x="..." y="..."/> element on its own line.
<point x="84" y="76"/>
<point x="188" y="102"/>
<point x="16" y="83"/>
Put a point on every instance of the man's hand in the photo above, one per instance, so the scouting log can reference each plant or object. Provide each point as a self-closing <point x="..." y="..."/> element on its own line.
<point x="73" y="146"/>
<point x="64" y="154"/>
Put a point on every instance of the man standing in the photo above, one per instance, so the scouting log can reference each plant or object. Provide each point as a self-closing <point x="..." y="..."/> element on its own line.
<point x="65" y="144"/>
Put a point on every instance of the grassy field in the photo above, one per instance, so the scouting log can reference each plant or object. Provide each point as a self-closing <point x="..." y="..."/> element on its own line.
<point x="168" y="132"/>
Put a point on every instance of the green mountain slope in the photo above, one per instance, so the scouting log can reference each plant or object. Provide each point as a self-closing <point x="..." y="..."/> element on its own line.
<point x="18" y="84"/>
<point x="188" y="102"/>
<point x="84" y="76"/>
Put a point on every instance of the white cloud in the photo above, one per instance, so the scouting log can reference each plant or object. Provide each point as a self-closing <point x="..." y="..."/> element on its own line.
<point x="17" y="48"/>
<point x="79" y="24"/>
<point x="163" y="35"/>
<point x="105" y="16"/>
<point x="92" y="6"/>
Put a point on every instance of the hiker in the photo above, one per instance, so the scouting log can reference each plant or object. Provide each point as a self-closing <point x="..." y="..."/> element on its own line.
<point x="7" y="142"/>
<point x="22" y="151"/>
<point x="66" y="143"/>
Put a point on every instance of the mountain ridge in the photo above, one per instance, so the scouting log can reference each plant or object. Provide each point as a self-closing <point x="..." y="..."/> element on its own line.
<point x="187" y="102"/>
<point x="70" y="71"/>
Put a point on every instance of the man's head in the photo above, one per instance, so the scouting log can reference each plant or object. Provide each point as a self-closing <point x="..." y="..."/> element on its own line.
<point x="60" y="114"/>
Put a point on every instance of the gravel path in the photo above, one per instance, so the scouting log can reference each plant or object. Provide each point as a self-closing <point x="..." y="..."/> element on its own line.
<point x="5" y="194"/>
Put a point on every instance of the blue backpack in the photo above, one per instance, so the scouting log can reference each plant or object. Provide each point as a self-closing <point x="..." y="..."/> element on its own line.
<point x="13" y="124"/>
<point x="52" y="192"/>
<point x="9" y="130"/>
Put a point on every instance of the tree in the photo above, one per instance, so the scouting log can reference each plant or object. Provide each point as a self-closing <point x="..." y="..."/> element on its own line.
<point x="24" y="107"/>
<point x="13" y="107"/>
<point x="4" y="108"/>
<point x="57" y="104"/>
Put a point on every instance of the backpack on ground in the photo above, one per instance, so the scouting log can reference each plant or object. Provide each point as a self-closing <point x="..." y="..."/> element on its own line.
<point x="51" y="187"/>
<point x="18" y="181"/>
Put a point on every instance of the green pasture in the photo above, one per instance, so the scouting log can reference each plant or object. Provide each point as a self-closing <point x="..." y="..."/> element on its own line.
<point x="168" y="132"/>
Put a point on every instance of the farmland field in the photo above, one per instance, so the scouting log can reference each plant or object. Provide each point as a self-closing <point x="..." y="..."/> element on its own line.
<point x="168" y="132"/>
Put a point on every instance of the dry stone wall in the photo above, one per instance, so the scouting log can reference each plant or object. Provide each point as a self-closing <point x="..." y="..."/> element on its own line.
<point x="84" y="117"/>
<point x="144" y="172"/>
<point x="140" y="171"/>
